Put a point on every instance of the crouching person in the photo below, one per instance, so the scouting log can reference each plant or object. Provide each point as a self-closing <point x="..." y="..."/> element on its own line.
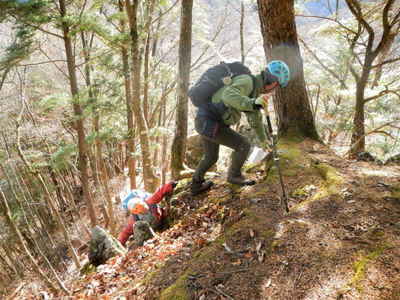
<point x="145" y="212"/>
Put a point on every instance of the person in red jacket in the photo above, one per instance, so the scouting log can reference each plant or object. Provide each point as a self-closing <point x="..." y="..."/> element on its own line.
<point x="145" y="212"/>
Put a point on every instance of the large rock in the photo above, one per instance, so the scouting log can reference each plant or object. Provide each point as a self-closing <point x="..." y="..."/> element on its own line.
<point x="103" y="246"/>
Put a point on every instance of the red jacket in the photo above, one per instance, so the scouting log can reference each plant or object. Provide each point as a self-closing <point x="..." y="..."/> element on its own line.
<point x="155" y="210"/>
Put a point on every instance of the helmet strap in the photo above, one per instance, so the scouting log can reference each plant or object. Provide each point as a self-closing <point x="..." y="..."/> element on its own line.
<point x="268" y="78"/>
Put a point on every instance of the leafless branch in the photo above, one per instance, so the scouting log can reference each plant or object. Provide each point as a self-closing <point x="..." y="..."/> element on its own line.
<point x="380" y="94"/>
<point x="326" y="68"/>
<point x="328" y="19"/>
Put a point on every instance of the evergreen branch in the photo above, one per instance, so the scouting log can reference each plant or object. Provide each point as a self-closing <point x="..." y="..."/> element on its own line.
<point x="37" y="27"/>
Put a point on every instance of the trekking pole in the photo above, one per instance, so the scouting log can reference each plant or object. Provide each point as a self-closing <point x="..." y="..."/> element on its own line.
<point x="275" y="158"/>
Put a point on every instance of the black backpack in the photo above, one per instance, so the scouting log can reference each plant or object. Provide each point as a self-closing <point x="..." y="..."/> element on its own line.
<point x="211" y="81"/>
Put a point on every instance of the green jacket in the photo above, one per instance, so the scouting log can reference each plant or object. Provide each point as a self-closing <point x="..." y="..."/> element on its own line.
<point x="236" y="98"/>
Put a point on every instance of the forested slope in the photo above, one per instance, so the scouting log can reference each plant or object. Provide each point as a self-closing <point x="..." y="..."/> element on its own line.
<point x="339" y="241"/>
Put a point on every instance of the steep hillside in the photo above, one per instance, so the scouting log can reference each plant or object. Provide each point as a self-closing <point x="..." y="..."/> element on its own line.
<point x="340" y="240"/>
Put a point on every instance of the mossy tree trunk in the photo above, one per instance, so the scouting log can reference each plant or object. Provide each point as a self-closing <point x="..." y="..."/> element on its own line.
<point x="279" y="31"/>
<point x="181" y="121"/>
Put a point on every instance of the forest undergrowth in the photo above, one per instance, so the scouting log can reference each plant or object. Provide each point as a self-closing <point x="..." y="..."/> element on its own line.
<point x="340" y="240"/>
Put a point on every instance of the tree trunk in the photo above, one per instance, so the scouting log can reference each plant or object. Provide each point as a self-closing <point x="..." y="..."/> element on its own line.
<point x="373" y="48"/>
<point x="129" y="102"/>
<point x="150" y="181"/>
<point x="14" y="263"/>
<point x="79" y="126"/>
<point x="164" y="144"/>
<point x="17" y="233"/>
<point x="181" y="121"/>
<point x="147" y="29"/>
<point x="382" y="56"/>
<point x="242" y="54"/>
<point x="280" y="42"/>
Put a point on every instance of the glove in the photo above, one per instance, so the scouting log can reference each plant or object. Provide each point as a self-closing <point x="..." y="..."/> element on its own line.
<point x="261" y="102"/>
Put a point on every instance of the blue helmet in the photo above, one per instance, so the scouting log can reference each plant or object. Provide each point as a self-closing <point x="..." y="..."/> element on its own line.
<point x="280" y="70"/>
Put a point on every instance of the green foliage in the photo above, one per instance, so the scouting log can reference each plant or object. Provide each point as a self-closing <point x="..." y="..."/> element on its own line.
<point x="19" y="50"/>
<point x="49" y="103"/>
<point x="63" y="158"/>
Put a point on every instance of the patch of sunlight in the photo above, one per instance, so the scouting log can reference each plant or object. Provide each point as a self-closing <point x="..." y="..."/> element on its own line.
<point x="383" y="172"/>
<point x="280" y="229"/>
<point x="329" y="288"/>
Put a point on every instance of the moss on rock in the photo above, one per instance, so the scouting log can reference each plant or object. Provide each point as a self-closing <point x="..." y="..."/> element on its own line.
<point x="177" y="291"/>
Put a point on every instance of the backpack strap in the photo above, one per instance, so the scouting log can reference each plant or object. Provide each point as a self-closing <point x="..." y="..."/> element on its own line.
<point x="252" y="94"/>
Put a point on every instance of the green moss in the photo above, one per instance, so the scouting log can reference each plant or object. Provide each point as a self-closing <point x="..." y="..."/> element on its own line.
<point x="300" y="192"/>
<point x="395" y="192"/>
<point x="360" y="266"/>
<point x="267" y="234"/>
<point x="328" y="173"/>
<point x="330" y="185"/>
<point x="87" y="269"/>
<point x="177" y="291"/>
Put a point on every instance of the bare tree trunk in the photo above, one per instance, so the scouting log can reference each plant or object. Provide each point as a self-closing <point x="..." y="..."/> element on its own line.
<point x="79" y="126"/>
<point x="373" y="48"/>
<point x="383" y="55"/>
<point x="150" y="181"/>
<point x="49" y="201"/>
<point x="129" y="102"/>
<point x="181" y="121"/>
<point x="35" y="265"/>
<point x="242" y="53"/>
<point x="15" y="264"/>
<point x="280" y="42"/>
<point x="9" y="268"/>
<point x="86" y="47"/>
<point x="147" y="29"/>
<point x="164" y="148"/>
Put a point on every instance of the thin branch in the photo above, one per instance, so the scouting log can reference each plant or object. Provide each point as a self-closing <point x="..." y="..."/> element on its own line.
<point x="343" y="84"/>
<point x="58" y="68"/>
<point x="329" y="19"/>
<point x="43" y="62"/>
<point x="389" y="61"/>
<point x="165" y="12"/>
<point x="376" y="130"/>
<point x="380" y="94"/>
<point x="4" y="76"/>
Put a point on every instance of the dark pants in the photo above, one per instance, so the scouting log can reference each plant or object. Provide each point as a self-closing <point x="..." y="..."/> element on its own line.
<point x="225" y="136"/>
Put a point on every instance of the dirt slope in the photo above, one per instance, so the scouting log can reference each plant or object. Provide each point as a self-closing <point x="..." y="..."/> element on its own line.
<point x="340" y="241"/>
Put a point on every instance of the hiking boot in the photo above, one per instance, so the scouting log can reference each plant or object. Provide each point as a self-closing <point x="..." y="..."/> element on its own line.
<point x="240" y="180"/>
<point x="198" y="187"/>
